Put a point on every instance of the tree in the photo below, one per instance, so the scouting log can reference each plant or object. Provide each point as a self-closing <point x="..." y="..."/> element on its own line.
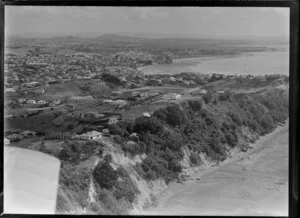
<point x="172" y="115"/>
<point x="207" y="98"/>
<point x="107" y="158"/>
<point x="114" y="129"/>
<point x="105" y="175"/>
<point x="195" y="105"/>
<point x="194" y="158"/>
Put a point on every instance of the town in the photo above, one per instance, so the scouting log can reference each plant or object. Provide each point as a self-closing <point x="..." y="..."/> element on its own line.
<point x="99" y="91"/>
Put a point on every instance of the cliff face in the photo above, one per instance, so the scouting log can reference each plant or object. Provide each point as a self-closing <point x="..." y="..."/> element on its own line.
<point x="122" y="174"/>
<point x="89" y="202"/>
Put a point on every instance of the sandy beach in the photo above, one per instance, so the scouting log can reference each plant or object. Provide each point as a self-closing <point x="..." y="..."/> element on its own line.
<point x="253" y="183"/>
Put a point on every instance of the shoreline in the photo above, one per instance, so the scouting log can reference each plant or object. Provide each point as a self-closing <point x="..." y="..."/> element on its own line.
<point x="207" y="57"/>
<point x="221" y="63"/>
<point x="197" y="173"/>
<point x="211" y="57"/>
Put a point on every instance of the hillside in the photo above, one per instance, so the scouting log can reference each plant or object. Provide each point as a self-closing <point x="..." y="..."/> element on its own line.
<point x="122" y="174"/>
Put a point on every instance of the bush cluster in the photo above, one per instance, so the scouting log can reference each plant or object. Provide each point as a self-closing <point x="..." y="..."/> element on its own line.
<point x="162" y="136"/>
<point x="172" y="115"/>
<point x="195" y="159"/>
<point x="105" y="175"/>
<point x="77" y="150"/>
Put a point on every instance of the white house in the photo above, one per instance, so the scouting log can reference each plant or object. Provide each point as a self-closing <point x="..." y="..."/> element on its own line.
<point x="172" y="79"/>
<point x="108" y="101"/>
<point x="41" y="102"/>
<point x="113" y="120"/>
<point x="31" y="102"/>
<point x="90" y="135"/>
<point x="56" y="101"/>
<point x="32" y="84"/>
<point x="172" y="96"/>
<point x="120" y="102"/>
<point x="146" y="114"/>
<point x="202" y="92"/>
<point x="21" y="100"/>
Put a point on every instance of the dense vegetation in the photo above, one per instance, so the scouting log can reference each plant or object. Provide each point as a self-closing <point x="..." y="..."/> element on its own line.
<point x="211" y="126"/>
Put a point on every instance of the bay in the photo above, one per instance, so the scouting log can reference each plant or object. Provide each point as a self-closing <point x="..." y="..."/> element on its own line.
<point x="256" y="63"/>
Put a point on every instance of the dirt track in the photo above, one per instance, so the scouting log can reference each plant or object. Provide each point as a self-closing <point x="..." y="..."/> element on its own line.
<point x="256" y="184"/>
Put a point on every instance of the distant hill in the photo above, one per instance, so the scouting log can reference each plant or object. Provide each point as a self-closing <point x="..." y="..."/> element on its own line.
<point x="116" y="37"/>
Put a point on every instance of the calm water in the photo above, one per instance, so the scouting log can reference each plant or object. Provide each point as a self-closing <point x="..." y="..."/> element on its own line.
<point x="250" y="63"/>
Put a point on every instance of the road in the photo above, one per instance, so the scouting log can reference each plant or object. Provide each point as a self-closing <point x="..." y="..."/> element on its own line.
<point x="256" y="184"/>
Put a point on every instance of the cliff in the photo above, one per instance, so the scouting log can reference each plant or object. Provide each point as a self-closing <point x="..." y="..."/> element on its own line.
<point x="122" y="174"/>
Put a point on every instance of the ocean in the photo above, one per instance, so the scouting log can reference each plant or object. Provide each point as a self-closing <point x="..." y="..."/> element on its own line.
<point x="256" y="63"/>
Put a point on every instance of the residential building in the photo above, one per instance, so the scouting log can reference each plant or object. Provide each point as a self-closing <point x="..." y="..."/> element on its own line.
<point x="31" y="102"/>
<point x="32" y="84"/>
<point x="21" y="100"/>
<point x="146" y="114"/>
<point x="41" y="102"/>
<point x="172" y="96"/>
<point x="112" y="120"/>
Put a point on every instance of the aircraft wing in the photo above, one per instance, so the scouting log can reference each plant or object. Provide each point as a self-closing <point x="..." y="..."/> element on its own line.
<point x="30" y="181"/>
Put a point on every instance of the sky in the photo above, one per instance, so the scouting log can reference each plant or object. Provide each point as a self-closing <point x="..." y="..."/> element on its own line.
<point x="147" y="21"/>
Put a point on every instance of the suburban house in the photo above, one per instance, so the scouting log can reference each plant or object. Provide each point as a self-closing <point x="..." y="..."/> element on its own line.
<point x="202" y="92"/>
<point x="172" y="96"/>
<point x="41" y="102"/>
<point x="146" y="114"/>
<point x="56" y="101"/>
<point x="113" y="120"/>
<point x="105" y="132"/>
<point x="32" y="84"/>
<point x="31" y="102"/>
<point x="90" y="135"/>
<point x="81" y="98"/>
<point x="21" y="100"/>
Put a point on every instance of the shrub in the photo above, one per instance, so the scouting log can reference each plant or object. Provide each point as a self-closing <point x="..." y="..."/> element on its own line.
<point x="150" y="175"/>
<point x="267" y="123"/>
<point x="107" y="158"/>
<point x="225" y="96"/>
<point x="195" y="105"/>
<point x="235" y="118"/>
<point x="114" y="129"/>
<point x="147" y="124"/>
<point x="126" y="189"/>
<point x="109" y="201"/>
<point x="252" y="124"/>
<point x="174" y="166"/>
<point x="105" y="175"/>
<point x="171" y="115"/>
<point x="122" y="171"/>
<point x="57" y="135"/>
<point x="194" y="158"/>
<point x="76" y="150"/>
<point x="231" y="139"/>
<point x="226" y="125"/>
<point x="217" y="146"/>
<point x="67" y="154"/>
<point x="112" y="79"/>
<point x="207" y="98"/>
<point x="118" y="139"/>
